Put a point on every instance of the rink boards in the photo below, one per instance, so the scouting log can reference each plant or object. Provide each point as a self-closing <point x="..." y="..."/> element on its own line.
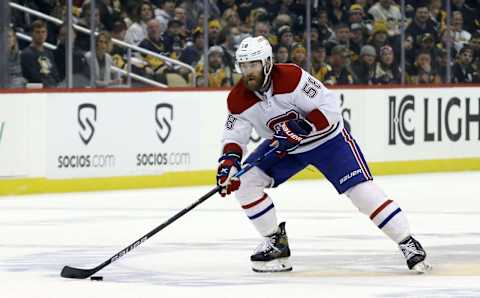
<point x="102" y="139"/>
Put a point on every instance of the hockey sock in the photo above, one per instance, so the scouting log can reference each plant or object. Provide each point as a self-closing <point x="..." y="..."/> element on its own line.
<point x="262" y="214"/>
<point x="386" y="214"/>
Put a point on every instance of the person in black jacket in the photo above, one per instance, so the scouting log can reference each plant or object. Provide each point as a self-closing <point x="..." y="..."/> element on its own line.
<point x="38" y="63"/>
<point x="462" y="70"/>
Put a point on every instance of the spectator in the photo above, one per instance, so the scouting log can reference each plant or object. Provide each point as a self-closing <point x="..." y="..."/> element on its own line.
<point x="282" y="54"/>
<point x="319" y="62"/>
<point x="231" y="18"/>
<point x="438" y="15"/>
<point x="475" y="45"/>
<point x="155" y="43"/>
<point x="421" y="24"/>
<point x="214" y="28"/>
<point x="341" y="37"/>
<point x="219" y="75"/>
<point x="59" y="54"/>
<point x="459" y="35"/>
<point x="102" y="63"/>
<point x="469" y="14"/>
<point x="423" y="71"/>
<point x="262" y="28"/>
<point x="337" y="12"/>
<point x="324" y="30"/>
<point x="83" y="39"/>
<point x="388" y="12"/>
<point x="174" y="38"/>
<point x="181" y="15"/>
<point x="364" y="68"/>
<point x="462" y="70"/>
<point x="192" y="53"/>
<point x="166" y="12"/>
<point x="38" y="63"/>
<point x="14" y="62"/>
<point x="356" y="15"/>
<point x="285" y="36"/>
<point x="119" y="53"/>
<point x="227" y="43"/>
<point x="299" y="55"/>
<point x="386" y="70"/>
<point x="357" y="40"/>
<point x="138" y="30"/>
<point x="339" y="74"/>
<point x="379" y="36"/>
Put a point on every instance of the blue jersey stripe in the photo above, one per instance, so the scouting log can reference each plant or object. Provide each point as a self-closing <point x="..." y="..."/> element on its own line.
<point x="261" y="212"/>
<point x="386" y="220"/>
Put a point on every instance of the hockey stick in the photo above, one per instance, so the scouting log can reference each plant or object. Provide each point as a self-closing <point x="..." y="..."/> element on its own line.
<point x="72" y="272"/>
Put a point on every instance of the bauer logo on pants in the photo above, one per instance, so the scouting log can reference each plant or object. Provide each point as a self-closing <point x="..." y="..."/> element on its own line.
<point x="163" y="118"/>
<point x="87" y="116"/>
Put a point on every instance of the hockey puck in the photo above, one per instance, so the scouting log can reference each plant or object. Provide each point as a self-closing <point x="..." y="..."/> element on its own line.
<point x="96" y="278"/>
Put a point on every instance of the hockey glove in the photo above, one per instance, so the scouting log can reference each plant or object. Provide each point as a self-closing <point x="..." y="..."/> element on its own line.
<point x="289" y="134"/>
<point x="229" y="166"/>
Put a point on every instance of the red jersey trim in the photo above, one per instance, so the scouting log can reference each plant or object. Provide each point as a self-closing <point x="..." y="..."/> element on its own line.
<point x="285" y="78"/>
<point x="240" y="98"/>
<point x="318" y="119"/>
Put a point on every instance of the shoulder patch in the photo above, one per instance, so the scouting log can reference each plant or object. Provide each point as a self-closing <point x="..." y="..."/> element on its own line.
<point x="285" y="77"/>
<point x="240" y="99"/>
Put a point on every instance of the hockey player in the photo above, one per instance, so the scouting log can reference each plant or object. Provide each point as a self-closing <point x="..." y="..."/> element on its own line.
<point x="300" y="117"/>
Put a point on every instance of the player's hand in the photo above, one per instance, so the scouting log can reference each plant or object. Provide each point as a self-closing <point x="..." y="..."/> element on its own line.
<point x="229" y="166"/>
<point x="289" y="134"/>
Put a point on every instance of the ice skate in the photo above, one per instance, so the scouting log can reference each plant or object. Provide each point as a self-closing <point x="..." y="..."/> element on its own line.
<point x="415" y="255"/>
<point x="272" y="255"/>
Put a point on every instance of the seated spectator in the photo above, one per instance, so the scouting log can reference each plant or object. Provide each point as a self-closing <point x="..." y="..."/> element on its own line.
<point x="462" y="70"/>
<point x="174" y="38"/>
<point x="475" y="45"/>
<point x="438" y="15"/>
<point x="324" y="30"/>
<point x="421" y="24"/>
<point x="357" y="40"/>
<point x="388" y="12"/>
<point x="154" y="42"/>
<point x="299" y="55"/>
<point x="59" y="54"/>
<point x="214" y="27"/>
<point x="337" y="12"/>
<point x="102" y="63"/>
<point x="138" y="30"/>
<point x="14" y="64"/>
<point x="192" y="53"/>
<point x="341" y="37"/>
<point x="459" y="35"/>
<point x="282" y="54"/>
<point x="364" y="68"/>
<point x="340" y="73"/>
<point x="379" y="36"/>
<point x="386" y="70"/>
<point x="119" y="53"/>
<point x="285" y="36"/>
<point x="219" y="75"/>
<point x="166" y="12"/>
<point x="38" y="63"/>
<point x="262" y="28"/>
<point x="423" y="71"/>
<point x="320" y="66"/>
<point x="356" y="15"/>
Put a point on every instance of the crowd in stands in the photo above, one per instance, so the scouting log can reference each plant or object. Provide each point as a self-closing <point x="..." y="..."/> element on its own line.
<point x="352" y="42"/>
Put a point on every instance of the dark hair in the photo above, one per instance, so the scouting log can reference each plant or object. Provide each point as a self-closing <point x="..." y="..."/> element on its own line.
<point x="38" y="24"/>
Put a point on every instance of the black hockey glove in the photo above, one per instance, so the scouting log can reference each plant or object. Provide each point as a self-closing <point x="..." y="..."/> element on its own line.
<point x="289" y="134"/>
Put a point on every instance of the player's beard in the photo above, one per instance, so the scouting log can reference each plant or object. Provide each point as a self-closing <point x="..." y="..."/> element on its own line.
<point x="253" y="82"/>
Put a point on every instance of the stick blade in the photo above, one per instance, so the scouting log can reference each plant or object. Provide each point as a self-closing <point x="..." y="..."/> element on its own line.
<point x="71" y="272"/>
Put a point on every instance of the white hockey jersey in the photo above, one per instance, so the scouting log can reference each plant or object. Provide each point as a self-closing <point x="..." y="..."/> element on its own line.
<point x="293" y="94"/>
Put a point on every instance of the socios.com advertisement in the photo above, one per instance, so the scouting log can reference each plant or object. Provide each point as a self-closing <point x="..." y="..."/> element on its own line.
<point x="122" y="134"/>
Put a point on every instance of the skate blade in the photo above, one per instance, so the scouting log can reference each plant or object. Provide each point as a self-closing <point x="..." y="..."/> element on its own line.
<point x="422" y="267"/>
<point x="277" y="265"/>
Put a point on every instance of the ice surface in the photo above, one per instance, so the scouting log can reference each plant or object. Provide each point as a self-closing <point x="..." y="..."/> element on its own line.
<point x="336" y="251"/>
